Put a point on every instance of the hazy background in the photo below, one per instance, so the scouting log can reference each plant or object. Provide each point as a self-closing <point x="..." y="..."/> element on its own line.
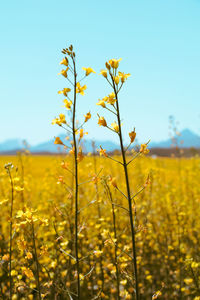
<point x="159" y="42"/>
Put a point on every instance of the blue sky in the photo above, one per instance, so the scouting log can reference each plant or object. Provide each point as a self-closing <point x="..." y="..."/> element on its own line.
<point x="159" y="42"/>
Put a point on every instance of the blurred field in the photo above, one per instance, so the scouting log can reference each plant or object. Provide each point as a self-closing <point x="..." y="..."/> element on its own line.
<point x="167" y="220"/>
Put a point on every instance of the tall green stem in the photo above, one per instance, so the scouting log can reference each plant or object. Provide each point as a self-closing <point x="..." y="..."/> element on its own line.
<point x="11" y="225"/>
<point x="76" y="181"/>
<point x="128" y="193"/>
<point x="36" y="262"/>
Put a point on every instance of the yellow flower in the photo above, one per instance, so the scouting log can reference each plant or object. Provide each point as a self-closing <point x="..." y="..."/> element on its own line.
<point x="64" y="62"/>
<point x="111" y="98"/>
<point x="64" y="73"/>
<point x="82" y="133"/>
<point x="80" y="155"/>
<point x="156" y="295"/>
<point x="115" y="127"/>
<point x="29" y="255"/>
<point x="188" y="281"/>
<point x="80" y="89"/>
<point x="65" y="91"/>
<point x="132" y="135"/>
<point x="62" y="118"/>
<point x="116" y="79"/>
<point x="107" y="66"/>
<point x="72" y="151"/>
<point x="27" y="272"/>
<point x="102" y="152"/>
<point x="58" y="141"/>
<point x="5" y="257"/>
<point x="102" y="121"/>
<point x="56" y="121"/>
<point x="68" y="104"/>
<point x="143" y="149"/>
<point x="14" y="273"/>
<point x="98" y="253"/>
<point x="101" y="103"/>
<point x="114" y="63"/>
<point x="19" y="189"/>
<point x="113" y="182"/>
<point x="88" y="71"/>
<point x="21" y="244"/>
<point x="64" y="165"/>
<point x="123" y="76"/>
<point x="87" y="116"/>
<point x="104" y="73"/>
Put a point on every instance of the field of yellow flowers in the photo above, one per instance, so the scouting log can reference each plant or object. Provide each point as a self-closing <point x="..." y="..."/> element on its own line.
<point x="88" y="226"/>
<point x="166" y="223"/>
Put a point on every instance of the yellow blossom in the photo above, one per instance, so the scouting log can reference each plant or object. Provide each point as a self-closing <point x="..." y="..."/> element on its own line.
<point x="123" y="76"/>
<point x="101" y="103"/>
<point x="58" y="141"/>
<point x="14" y="273"/>
<point x="62" y="118"/>
<point x="65" y="91"/>
<point x="80" y="155"/>
<point x="116" y="79"/>
<point x="64" y="165"/>
<point x="82" y="133"/>
<point x="64" y="62"/>
<point x="113" y="181"/>
<point x="56" y="121"/>
<point x="22" y="244"/>
<point x="115" y="127"/>
<point x="87" y="117"/>
<point x="19" y="189"/>
<point x="143" y="149"/>
<point x="29" y="255"/>
<point x="114" y="63"/>
<point x="68" y="104"/>
<point x="102" y="121"/>
<point x="27" y="272"/>
<point x="111" y="98"/>
<point x="88" y="71"/>
<point x="98" y="253"/>
<point x="188" y="281"/>
<point x="64" y="73"/>
<point x="132" y="135"/>
<point x="102" y="152"/>
<point x="72" y="151"/>
<point x="5" y="257"/>
<point x="104" y="73"/>
<point x="80" y="89"/>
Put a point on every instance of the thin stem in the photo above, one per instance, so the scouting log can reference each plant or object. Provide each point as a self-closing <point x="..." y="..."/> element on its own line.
<point x="134" y="157"/>
<point x="11" y="225"/>
<point x="101" y="244"/>
<point x="128" y="194"/>
<point x="111" y="110"/>
<point x="76" y="183"/>
<point x="115" y="236"/>
<point x="119" y="162"/>
<point x="36" y="263"/>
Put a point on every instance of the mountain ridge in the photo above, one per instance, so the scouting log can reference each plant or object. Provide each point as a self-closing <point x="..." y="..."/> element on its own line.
<point x="189" y="138"/>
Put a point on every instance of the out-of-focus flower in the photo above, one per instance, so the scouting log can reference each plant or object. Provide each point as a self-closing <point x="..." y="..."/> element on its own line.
<point x="132" y="135"/>
<point x="88" y="71"/>
<point x="80" y="89"/>
<point x="102" y="121"/>
<point x="87" y="117"/>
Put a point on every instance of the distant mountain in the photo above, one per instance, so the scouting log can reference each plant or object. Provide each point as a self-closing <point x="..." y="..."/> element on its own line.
<point x="11" y="145"/>
<point x="186" y="139"/>
<point x="49" y="146"/>
<point x="189" y="138"/>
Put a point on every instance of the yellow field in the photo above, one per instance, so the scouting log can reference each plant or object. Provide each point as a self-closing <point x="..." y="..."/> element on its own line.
<point x="167" y="226"/>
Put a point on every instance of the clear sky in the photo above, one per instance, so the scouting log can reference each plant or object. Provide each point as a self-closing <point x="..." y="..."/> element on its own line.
<point x="158" y="40"/>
